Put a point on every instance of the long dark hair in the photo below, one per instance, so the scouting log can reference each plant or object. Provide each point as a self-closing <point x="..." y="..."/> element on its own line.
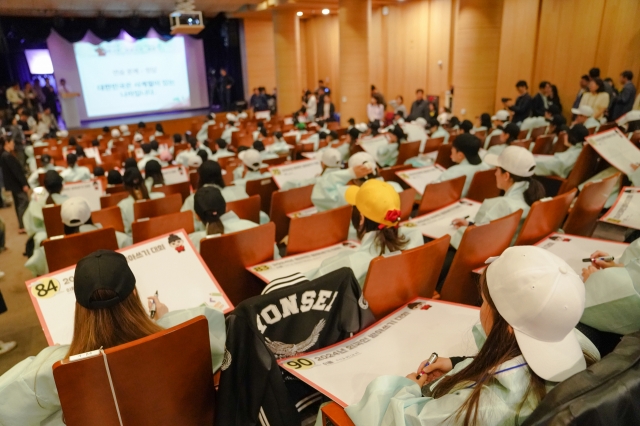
<point x="70" y="230"/>
<point x="535" y="191"/>
<point x="501" y="346"/>
<point x="386" y="238"/>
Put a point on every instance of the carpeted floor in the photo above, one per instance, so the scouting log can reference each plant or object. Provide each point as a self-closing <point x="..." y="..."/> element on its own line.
<point x="20" y="322"/>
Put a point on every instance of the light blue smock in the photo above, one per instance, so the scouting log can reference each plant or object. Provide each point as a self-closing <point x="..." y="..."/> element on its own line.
<point x="464" y="168"/>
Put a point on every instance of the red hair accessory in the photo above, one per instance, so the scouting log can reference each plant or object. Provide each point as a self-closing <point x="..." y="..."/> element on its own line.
<point x="391" y="216"/>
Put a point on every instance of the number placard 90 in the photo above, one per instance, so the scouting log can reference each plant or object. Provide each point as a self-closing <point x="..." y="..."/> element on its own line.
<point x="300" y="363"/>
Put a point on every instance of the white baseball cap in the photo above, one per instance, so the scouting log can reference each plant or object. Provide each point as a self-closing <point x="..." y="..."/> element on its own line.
<point x="250" y="158"/>
<point x="75" y="211"/>
<point x="243" y="115"/>
<point x="362" y="158"/>
<point x="585" y="110"/>
<point x="514" y="159"/>
<point x="362" y="127"/>
<point x="115" y="133"/>
<point x="331" y="157"/>
<point x="632" y="115"/>
<point x="420" y="121"/>
<point x="194" y="161"/>
<point x="502" y="115"/>
<point x="62" y="134"/>
<point x="35" y="137"/>
<point x="542" y="299"/>
<point x="138" y="137"/>
<point x="124" y="128"/>
<point x="231" y="117"/>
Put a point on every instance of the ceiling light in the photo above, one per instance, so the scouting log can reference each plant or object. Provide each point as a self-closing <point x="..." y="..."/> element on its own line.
<point x="299" y="13"/>
<point x="325" y="11"/>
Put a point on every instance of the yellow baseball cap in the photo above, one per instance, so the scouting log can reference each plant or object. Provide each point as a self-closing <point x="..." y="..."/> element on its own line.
<point x="377" y="201"/>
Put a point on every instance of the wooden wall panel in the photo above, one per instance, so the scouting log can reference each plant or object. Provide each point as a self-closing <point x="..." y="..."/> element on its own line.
<point x="517" y="47"/>
<point x="440" y="25"/>
<point x="567" y="43"/>
<point x="619" y="43"/>
<point x="321" y="56"/>
<point x="287" y="59"/>
<point x="260" y="54"/>
<point x="475" y="67"/>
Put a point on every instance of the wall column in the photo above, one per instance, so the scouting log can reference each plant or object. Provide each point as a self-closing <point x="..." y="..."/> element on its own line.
<point x="354" y="17"/>
<point x="286" y="36"/>
<point x="475" y="58"/>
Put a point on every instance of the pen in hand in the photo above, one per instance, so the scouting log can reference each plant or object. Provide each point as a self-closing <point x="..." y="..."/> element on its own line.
<point x="433" y="358"/>
<point x="153" y="307"/>
<point x="603" y="259"/>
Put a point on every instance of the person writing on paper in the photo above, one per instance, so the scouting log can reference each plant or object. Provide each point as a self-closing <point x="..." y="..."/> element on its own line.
<point x="378" y="208"/>
<point x="108" y="313"/>
<point x="210" y="175"/>
<point x="328" y="192"/>
<point x="562" y="163"/>
<point x="135" y="186"/>
<point x="613" y="291"/>
<point x="211" y="208"/>
<point x="524" y="350"/>
<point x="514" y="169"/>
<point x="73" y="172"/>
<point x="464" y="153"/>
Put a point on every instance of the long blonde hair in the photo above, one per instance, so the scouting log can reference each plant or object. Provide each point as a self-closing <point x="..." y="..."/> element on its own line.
<point x="108" y="327"/>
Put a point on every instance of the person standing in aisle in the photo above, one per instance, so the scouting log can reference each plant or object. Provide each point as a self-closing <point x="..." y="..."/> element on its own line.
<point x="226" y="84"/>
<point x="14" y="179"/>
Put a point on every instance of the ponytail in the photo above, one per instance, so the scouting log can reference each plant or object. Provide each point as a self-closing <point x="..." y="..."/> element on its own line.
<point x="386" y="238"/>
<point x="534" y="192"/>
<point x="214" y="227"/>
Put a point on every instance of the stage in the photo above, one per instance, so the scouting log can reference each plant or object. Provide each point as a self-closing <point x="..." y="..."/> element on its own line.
<point x="147" y="118"/>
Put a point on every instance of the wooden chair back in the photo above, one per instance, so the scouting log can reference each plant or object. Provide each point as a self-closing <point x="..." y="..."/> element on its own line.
<point x="584" y="215"/>
<point x="543" y="145"/>
<point x="481" y="134"/>
<point x="228" y="256"/>
<point x="285" y="202"/>
<point x="559" y="146"/>
<point x="478" y="244"/>
<point x="67" y="251"/>
<point x="264" y="188"/>
<point x="635" y="137"/>
<point x="389" y="174"/>
<point x="157" y="207"/>
<point x="495" y="140"/>
<point x="145" y="229"/>
<point x="275" y="161"/>
<point x="111" y="217"/>
<point x="523" y="134"/>
<point x="483" y="186"/>
<point x="248" y="208"/>
<point x="407" y="150"/>
<point x="607" y="126"/>
<point x="186" y="397"/>
<point x="444" y="156"/>
<point x="537" y="132"/>
<point x="407" y="199"/>
<point x="433" y="144"/>
<point x="52" y="220"/>
<point x="182" y="188"/>
<point x="89" y="163"/>
<point x="395" y="279"/>
<point x="544" y="218"/>
<point x="318" y="230"/>
<point x="113" y="199"/>
<point x="584" y="168"/>
<point x="441" y="194"/>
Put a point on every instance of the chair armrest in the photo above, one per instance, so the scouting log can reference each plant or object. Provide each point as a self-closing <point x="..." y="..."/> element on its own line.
<point x="334" y="415"/>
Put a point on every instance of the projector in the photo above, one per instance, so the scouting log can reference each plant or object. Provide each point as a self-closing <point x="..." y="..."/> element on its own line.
<point x="186" y="20"/>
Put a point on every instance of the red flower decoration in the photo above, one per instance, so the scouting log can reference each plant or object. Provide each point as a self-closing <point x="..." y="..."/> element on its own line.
<point x="393" y="216"/>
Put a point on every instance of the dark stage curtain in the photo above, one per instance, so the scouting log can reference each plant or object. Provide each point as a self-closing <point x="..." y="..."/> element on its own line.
<point x="221" y="40"/>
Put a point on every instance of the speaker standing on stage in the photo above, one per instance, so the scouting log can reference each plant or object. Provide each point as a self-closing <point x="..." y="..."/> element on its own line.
<point x="226" y="84"/>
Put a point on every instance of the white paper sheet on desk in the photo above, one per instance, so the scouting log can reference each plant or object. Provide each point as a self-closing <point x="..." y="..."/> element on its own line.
<point x="395" y="345"/>
<point x="296" y="171"/>
<point x="626" y="210"/>
<point x="181" y="278"/>
<point x="438" y="223"/>
<point x="301" y="263"/>
<point x="418" y="179"/>
<point x="613" y="146"/>
<point x="372" y="145"/>
<point x="175" y="174"/>
<point x="573" y="249"/>
<point x="90" y="190"/>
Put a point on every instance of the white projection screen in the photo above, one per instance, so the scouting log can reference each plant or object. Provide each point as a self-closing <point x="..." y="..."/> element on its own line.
<point x="126" y="77"/>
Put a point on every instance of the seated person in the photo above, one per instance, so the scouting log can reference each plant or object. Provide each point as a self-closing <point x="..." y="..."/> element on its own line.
<point x="211" y="208"/>
<point x="222" y="150"/>
<point x="264" y="154"/>
<point x="98" y="171"/>
<point x="561" y="163"/>
<point x="464" y="153"/>
<point x="73" y="172"/>
<point x="328" y="191"/>
<point x="153" y="175"/>
<point x="149" y="154"/>
<point x="331" y="160"/>
<point x="250" y="168"/>
<point x="378" y="204"/>
<point x="114" y="178"/>
<point x="203" y="133"/>
<point x="210" y="174"/>
<point x="524" y="350"/>
<point x="508" y="134"/>
<point x="466" y="126"/>
<point x="498" y="122"/>
<point x="134" y="184"/>
<point x="557" y="125"/>
<point x="47" y="164"/>
<point x="279" y="145"/>
<point x="514" y="168"/>
<point x="229" y="128"/>
<point x="584" y="115"/>
<point x="33" y="219"/>
<point x="184" y="156"/>
<point x="115" y="137"/>
<point x="108" y="313"/>
<point x="435" y="130"/>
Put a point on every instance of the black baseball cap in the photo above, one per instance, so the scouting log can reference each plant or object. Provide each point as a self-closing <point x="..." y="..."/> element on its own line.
<point x="578" y="133"/>
<point x="209" y="204"/>
<point x="469" y="145"/>
<point x="132" y="177"/>
<point x="210" y="171"/>
<point x="103" y="270"/>
<point x="52" y="179"/>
